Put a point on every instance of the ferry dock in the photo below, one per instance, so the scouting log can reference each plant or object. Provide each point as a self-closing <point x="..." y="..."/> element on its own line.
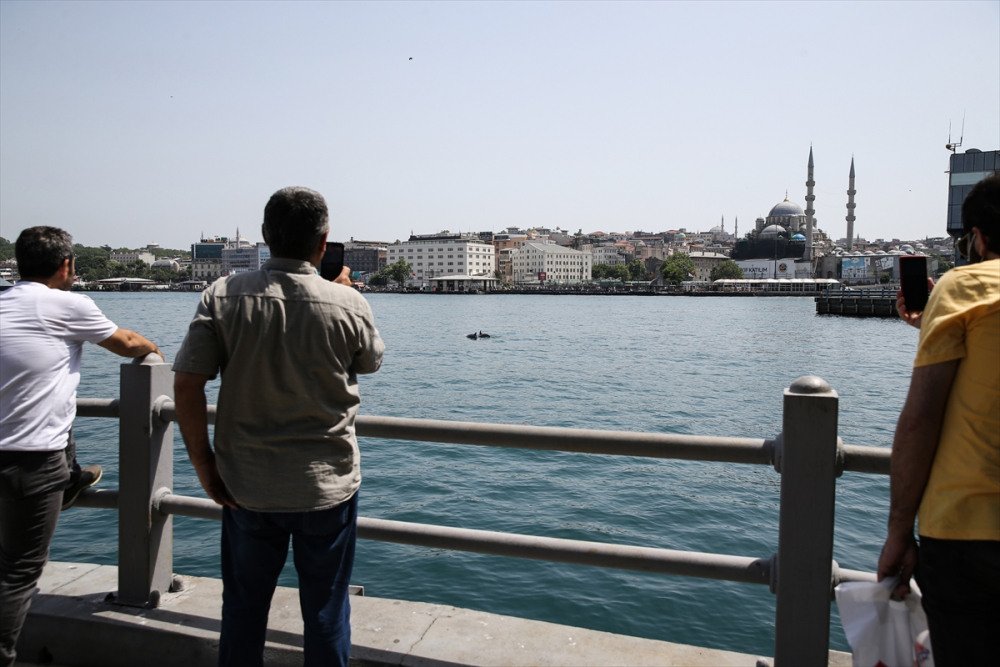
<point x="858" y="303"/>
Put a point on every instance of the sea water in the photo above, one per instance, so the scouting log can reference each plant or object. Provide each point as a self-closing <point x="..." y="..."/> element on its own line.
<point x="702" y="366"/>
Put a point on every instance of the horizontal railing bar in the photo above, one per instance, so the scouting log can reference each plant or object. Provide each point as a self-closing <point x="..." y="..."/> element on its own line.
<point x="759" y="451"/>
<point x="199" y="508"/>
<point x="621" y="443"/>
<point x="874" y="460"/>
<point x="597" y="554"/>
<point x="577" y="552"/>
<point x="97" y="407"/>
<point x="105" y="499"/>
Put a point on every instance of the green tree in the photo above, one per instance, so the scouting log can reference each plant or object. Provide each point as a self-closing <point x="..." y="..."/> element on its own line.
<point x="91" y="261"/>
<point x="726" y="270"/>
<point x="379" y="279"/>
<point x="399" y="272"/>
<point x="6" y="249"/>
<point x="943" y="264"/>
<point x="599" y="271"/>
<point x="637" y="270"/>
<point x="618" y="272"/>
<point x="677" y="268"/>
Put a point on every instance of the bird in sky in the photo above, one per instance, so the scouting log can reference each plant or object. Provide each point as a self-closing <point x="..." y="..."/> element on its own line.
<point x="411" y="57"/>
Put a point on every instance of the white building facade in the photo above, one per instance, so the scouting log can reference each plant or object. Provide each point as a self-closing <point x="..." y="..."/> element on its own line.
<point x="244" y="259"/>
<point x="128" y="257"/>
<point x="449" y="262"/>
<point x="608" y="254"/>
<point x="538" y="263"/>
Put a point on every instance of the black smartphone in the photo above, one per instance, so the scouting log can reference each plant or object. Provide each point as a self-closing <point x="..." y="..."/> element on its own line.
<point x="913" y="276"/>
<point x="333" y="261"/>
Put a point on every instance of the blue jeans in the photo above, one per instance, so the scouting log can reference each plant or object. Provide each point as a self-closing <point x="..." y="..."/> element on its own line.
<point x="254" y="550"/>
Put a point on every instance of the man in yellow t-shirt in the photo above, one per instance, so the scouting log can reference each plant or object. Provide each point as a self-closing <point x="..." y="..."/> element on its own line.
<point x="946" y="451"/>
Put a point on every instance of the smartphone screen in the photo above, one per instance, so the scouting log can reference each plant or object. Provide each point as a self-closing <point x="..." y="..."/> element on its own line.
<point x="913" y="276"/>
<point x="333" y="261"/>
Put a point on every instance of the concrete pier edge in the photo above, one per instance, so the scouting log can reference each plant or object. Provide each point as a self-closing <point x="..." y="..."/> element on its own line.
<point x="73" y="622"/>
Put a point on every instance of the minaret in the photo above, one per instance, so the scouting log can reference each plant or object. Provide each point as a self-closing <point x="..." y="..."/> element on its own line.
<point x="810" y="198"/>
<point x="850" y="208"/>
<point x="736" y="233"/>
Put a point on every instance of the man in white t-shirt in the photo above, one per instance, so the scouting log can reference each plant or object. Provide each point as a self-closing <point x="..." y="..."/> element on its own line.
<point x="43" y="330"/>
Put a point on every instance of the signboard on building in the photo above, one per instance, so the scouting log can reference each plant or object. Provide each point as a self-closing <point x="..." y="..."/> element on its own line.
<point x="757" y="270"/>
<point x="541" y="275"/>
<point x="854" y="268"/>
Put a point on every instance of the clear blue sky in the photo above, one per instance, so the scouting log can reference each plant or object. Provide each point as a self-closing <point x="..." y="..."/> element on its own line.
<point x="127" y="123"/>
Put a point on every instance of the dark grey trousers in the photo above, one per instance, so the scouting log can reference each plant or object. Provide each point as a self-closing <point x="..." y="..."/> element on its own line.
<point x="31" y="492"/>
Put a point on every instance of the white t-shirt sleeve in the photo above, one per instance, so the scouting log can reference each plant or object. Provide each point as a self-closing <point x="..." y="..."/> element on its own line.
<point x="88" y="323"/>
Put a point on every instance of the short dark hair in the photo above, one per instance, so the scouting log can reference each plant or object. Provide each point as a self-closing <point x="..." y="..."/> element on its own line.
<point x="40" y="251"/>
<point x="295" y="220"/>
<point x="981" y="209"/>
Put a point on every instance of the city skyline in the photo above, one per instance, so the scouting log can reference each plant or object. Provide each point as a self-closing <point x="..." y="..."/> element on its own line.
<point x="131" y="124"/>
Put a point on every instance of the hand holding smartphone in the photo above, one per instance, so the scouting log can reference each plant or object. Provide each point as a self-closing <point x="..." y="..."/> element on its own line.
<point x="333" y="261"/>
<point x="913" y="279"/>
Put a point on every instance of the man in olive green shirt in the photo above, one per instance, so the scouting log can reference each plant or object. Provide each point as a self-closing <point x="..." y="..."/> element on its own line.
<point x="289" y="345"/>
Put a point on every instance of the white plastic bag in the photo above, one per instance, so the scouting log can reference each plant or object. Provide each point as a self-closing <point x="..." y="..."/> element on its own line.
<point x="883" y="632"/>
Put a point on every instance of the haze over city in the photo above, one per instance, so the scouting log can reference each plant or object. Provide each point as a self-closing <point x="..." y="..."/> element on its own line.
<point x="131" y="123"/>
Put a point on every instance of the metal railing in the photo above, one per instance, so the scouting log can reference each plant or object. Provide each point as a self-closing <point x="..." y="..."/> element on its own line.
<point x="807" y="453"/>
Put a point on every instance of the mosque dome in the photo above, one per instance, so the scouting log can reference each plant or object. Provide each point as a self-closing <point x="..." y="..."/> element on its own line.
<point x="716" y="230"/>
<point x="681" y="236"/>
<point x="785" y="208"/>
<point x="773" y="230"/>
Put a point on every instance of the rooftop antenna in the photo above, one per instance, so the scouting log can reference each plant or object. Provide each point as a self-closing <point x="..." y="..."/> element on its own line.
<point x="950" y="146"/>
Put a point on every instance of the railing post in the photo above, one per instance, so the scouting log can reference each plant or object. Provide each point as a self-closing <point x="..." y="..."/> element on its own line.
<point x="146" y="464"/>
<point x="805" y="529"/>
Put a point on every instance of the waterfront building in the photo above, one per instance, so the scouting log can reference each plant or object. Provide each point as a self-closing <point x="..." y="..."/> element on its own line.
<point x="608" y="254"/>
<point x="451" y="261"/>
<point x="510" y="239"/>
<point x="704" y="262"/>
<point x="243" y="259"/>
<point x="206" y="258"/>
<point x="764" y="269"/>
<point x="651" y="249"/>
<point x="365" y="256"/>
<point x="539" y="263"/>
<point x="965" y="170"/>
<point x="130" y="256"/>
<point x="505" y="264"/>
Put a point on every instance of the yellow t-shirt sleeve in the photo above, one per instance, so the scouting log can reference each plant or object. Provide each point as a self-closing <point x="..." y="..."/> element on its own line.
<point x="943" y="328"/>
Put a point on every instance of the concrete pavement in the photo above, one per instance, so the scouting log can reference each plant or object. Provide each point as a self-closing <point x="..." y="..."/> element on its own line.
<point x="73" y="622"/>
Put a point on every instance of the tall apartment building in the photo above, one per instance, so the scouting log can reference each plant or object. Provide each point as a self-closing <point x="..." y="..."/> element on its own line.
<point x="538" y="263"/>
<point x="447" y="261"/>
